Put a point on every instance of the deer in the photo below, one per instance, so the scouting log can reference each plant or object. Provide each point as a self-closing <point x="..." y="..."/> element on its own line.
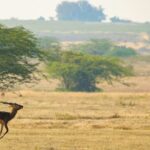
<point x="5" y="117"/>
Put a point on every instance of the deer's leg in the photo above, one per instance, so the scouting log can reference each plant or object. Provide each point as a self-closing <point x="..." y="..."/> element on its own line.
<point x="6" y="127"/>
<point x="1" y="128"/>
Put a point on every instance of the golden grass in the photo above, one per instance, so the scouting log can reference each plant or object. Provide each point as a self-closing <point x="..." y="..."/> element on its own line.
<point x="79" y="121"/>
<point x="136" y="84"/>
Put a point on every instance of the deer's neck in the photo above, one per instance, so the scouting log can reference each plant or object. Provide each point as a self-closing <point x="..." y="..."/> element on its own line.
<point x="13" y="113"/>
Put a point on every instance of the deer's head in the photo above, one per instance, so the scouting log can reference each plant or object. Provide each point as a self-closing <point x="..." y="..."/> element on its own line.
<point x="16" y="106"/>
<point x="13" y="105"/>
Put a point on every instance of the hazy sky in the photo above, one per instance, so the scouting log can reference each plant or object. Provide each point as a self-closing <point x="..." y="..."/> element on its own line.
<point x="137" y="10"/>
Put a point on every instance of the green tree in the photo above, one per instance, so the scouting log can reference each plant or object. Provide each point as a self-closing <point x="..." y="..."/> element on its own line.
<point x="79" y="11"/>
<point x="19" y="56"/>
<point x="81" y="72"/>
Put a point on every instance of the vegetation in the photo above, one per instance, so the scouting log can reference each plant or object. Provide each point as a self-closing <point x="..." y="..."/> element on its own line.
<point x="18" y="49"/>
<point x="117" y="119"/>
<point x="95" y="47"/>
<point x="77" y="121"/>
<point x="79" y="11"/>
<point x="78" y="72"/>
<point x="116" y="19"/>
<point x="48" y="43"/>
<point x="81" y="72"/>
<point x="80" y="121"/>
<point x="122" y="51"/>
<point x="103" y="47"/>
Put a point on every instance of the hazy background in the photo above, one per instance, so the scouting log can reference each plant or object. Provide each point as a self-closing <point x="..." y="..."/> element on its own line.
<point x="136" y="10"/>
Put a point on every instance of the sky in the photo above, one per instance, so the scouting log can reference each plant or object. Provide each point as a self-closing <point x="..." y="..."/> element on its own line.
<point x="136" y="10"/>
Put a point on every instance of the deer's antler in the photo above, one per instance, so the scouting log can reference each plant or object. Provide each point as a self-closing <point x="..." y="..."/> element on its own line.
<point x="7" y="103"/>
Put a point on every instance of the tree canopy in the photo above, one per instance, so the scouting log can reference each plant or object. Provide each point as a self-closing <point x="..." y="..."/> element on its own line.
<point x="19" y="56"/>
<point x="81" y="72"/>
<point x="79" y="11"/>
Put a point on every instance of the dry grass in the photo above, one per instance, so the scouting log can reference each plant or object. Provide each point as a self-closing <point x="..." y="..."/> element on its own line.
<point x="79" y="121"/>
<point x="136" y="84"/>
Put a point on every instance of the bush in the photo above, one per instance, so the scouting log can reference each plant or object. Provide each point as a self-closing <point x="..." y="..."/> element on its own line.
<point x="103" y="47"/>
<point x="94" y="47"/>
<point x="122" y="51"/>
<point x="81" y="72"/>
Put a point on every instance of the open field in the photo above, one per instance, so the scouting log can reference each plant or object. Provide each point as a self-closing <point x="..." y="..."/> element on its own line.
<point x="76" y="26"/>
<point x="79" y="121"/>
<point x="81" y="31"/>
<point x="134" y="35"/>
<point x="136" y="84"/>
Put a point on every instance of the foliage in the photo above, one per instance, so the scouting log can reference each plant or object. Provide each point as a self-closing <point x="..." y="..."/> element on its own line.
<point x="121" y="51"/>
<point x="79" y="11"/>
<point x="51" y="47"/>
<point x="103" y="47"/>
<point x="81" y="72"/>
<point x="19" y="56"/>
<point x="48" y="43"/>
<point x="118" y="20"/>
<point x="96" y="47"/>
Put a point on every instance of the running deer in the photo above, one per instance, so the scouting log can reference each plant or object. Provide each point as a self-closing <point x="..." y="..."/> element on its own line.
<point x="5" y="117"/>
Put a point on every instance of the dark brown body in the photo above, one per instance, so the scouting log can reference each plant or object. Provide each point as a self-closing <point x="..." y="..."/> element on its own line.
<point x="5" y="117"/>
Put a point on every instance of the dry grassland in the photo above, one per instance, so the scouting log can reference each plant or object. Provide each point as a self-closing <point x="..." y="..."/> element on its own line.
<point x="118" y="119"/>
<point x="136" y="84"/>
<point x="79" y="121"/>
